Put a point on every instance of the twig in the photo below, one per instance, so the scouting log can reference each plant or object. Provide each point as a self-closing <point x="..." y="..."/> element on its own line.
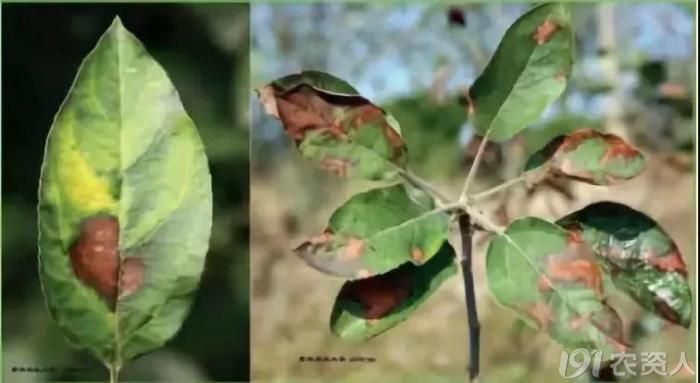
<point x="475" y="166"/>
<point x="425" y="186"/>
<point x="501" y="187"/>
<point x="481" y="220"/>
<point x="470" y="298"/>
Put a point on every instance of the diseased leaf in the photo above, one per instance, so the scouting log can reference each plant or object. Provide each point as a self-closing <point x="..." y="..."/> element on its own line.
<point x="333" y="126"/>
<point x="527" y="72"/>
<point x="368" y="307"/>
<point x="376" y="231"/>
<point x="125" y="205"/>
<point x="589" y="156"/>
<point x="641" y="258"/>
<point x="551" y="280"/>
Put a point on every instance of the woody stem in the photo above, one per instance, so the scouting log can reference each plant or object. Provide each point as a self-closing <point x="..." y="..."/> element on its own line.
<point x="465" y="231"/>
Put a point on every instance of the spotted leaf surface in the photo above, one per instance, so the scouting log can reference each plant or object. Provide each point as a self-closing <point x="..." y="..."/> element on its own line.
<point x="589" y="156"/>
<point x="552" y="281"/>
<point x="333" y="126"/>
<point x="376" y="231"/>
<point x="368" y="307"/>
<point x="527" y="72"/>
<point x="124" y="204"/>
<point x="640" y="256"/>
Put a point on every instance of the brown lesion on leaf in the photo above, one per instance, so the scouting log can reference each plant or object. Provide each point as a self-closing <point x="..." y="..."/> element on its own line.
<point x="545" y="31"/>
<point x="618" y="148"/>
<point x="672" y="261"/>
<point x="337" y="166"/>
<point x="576" y="265"/>
<point x="96" y="262"/>
<point x="380" y="294"/>
<point x="131" y="279"/>
<point x="95" y="256"/>
<point x="304" y="109"/>
<point x="541" y="313"/>
<point x="560" y="77"/>
<point x="417" y="255"/>
<point x="353" y="249"/>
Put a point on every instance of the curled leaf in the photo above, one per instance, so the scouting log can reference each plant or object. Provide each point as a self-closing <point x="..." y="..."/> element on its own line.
<point x="333" y="126"/>
<point x="376" y="231"/>
<point x="124" y="205"/>
<point x="368" y="307"/>
<point x="527" y="72"/>
<point x="640" y="256"/>
<point x="552" y="281"/>
<point x="589" y="156"/>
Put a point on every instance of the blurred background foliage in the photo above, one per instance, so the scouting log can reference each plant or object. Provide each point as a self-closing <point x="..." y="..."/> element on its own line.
<point x="205" y="50"/>
<point x="634" y="76"/>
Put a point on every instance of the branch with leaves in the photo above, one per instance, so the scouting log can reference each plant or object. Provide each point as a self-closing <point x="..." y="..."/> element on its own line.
<point x="390" y="242"/>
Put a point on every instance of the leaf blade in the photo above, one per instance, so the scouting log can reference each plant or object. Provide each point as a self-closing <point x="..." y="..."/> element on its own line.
<point x="336" y="128"/>
<point x="526" y="73"/>
<point x="122" y="226"/>
<point x="589" y="156"/>
<point x="550" y="281"/>
<point x="642" y="259"/>
<point x="376" y="231"/>
<point x="366" y="308"/>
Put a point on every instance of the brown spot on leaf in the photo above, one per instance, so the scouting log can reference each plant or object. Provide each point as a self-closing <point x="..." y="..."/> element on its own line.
<point x="669" y="262"/>
<point x="131" y="276"/>
<point x="337" y="166"/>
<point x="95" y="256"/>
<point x="560" y="77"/>
<point x="617" y="147"/>
<point x="380" y="294"/>
<point x="352" y="250"/>
<point x="95" y="260"/>
<point x="545" y="31"/>
<point x="542" y="314"/>
<point x="305" y="109"/>
<point x="416" y="255"/>
<point x="584" y="271"/>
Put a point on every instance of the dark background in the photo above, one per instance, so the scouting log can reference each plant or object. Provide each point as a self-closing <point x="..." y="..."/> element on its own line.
<point x="204" y="49"/>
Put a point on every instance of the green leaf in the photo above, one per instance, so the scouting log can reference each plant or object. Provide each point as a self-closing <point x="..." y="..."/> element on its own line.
<point x="376" y="231"/>
<point x="320" y="81"/>
<point x="333" y="126"/>
<point x="528" y="72"/>
<point x="368" y="307"/>
<point x="640" y="256"/>
<point x="589" y="156"/>
<point x="552" y="281"/>
<point x="125" y="204"/>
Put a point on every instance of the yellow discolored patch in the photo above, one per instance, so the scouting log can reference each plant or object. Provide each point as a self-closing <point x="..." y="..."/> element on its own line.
<point x="84" y="189"/>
